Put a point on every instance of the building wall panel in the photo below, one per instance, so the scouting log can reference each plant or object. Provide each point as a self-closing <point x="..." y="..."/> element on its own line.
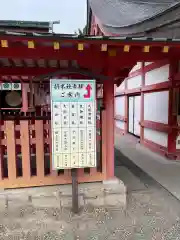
<point x="120" y="124"/>
<point x="134" y="82"/>
<point x="155" y="102"/>
<point x="157" y="75"/>
<point x="136" y="67"/>
<point x="156" y="106"/>
<point x="157" y="137"/>
<point x="147" y="63"/>
<point x="120" y="88"/>
<point x="153" y="74"/>
<point x="120" y="106"/>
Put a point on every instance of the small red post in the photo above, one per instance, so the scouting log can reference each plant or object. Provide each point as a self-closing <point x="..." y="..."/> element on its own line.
<point x="108" y="93"/>
<point x="24" y="97"/>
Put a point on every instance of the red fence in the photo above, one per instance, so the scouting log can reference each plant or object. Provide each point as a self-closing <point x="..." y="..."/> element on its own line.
<point x="25" y="156"/>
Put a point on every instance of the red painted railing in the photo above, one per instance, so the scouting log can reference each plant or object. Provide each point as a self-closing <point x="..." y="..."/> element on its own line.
<point x="25" y="155"/>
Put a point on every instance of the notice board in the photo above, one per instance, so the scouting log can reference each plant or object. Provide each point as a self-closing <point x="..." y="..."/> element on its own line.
<point x="73" y="117"/>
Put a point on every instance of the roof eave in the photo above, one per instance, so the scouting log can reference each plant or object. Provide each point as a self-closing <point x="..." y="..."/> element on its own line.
<point x="89" y="18"/>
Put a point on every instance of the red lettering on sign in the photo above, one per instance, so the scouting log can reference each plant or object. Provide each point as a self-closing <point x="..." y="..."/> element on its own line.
<point x="88" y="94"/>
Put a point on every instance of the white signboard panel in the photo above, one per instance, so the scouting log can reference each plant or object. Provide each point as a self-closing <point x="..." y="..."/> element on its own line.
<point x="73" y="114"/>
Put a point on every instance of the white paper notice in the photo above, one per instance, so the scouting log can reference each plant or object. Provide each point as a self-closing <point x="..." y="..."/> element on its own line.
<point x="73" y="112"/>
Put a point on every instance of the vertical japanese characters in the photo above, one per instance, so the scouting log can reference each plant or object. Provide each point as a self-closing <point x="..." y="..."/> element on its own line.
<point x="73" y="105"/>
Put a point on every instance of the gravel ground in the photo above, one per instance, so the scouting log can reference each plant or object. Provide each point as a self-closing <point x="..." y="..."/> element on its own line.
<point x="152" y="213"/>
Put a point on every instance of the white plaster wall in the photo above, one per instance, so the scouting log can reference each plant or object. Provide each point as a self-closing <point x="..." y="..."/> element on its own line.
<point x="156" y="106"/>
<point x="157" y="75"/>
<point x="156" y="137"/>
<point x="136" y="67"/>
<point x="147" y="63"/>
<point x="134" y="82"/>
<point x="120" y="105"/>
<point x="120" y="88"/>
<point x="120" y="124"/>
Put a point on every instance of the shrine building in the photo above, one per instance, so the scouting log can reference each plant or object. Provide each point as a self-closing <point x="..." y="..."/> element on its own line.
<point x="29" y="60"/>
<point x="147" y="102"/>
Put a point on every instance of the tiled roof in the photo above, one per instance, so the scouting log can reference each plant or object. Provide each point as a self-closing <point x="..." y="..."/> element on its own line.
<point x="84" y="38"/>
<point x="158" y="18"/>
<point x="19" y="23"/>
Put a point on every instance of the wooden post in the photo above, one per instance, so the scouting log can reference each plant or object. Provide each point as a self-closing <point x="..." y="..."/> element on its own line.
<point x="24" y="97"/>
<point x="25" y="149"/>
<point x="39" y="148"/>
<point x="11" y="150"/>
<point x="109" y="108"/>
<point x="142" y="102"/>
<point x="126" y="108"/>
<point x="172" y="121"/>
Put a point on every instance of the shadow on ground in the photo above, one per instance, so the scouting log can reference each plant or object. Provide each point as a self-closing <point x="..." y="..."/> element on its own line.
<point x="123" y="162"/>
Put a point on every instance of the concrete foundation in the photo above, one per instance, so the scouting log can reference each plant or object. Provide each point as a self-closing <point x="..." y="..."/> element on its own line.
<point x="107" y="194"/>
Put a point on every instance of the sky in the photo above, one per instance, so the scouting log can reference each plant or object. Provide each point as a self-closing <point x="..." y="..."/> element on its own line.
<point x="71" y="13"/>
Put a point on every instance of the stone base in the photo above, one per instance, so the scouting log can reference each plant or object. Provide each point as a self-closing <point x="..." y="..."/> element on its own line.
<point x="111" y="193"/>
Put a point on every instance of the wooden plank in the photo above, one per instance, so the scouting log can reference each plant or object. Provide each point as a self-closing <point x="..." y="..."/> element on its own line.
<point x="67" y="172"/>
<point x="80" y="172"/>
<point x="24" y="97"/>
<point x="39" y="148"/>
<point x="93" y="171"/>
<point x="11" y="150"/>
<point x="52" y="172"/>
<point x="25" y="149"/>
<point x="49" y="180"/>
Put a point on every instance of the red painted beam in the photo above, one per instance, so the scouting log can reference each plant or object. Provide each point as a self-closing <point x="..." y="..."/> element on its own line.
<point x="25" y="71"/>
<point x="90" y="54"/>
<point x="157" y="87"/>
<point x="49" y="53"/>
<point x="31" y="71"/>
<point x="36" y="71"/>
<point x="161" y="127"/>
<point x="150" y="88"/>
<point x="95" y="41"/>
<point x="133" y="91"/>
<point x="26" y="80"/>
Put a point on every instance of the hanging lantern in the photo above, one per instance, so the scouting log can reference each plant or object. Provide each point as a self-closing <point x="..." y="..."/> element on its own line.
<point x="13" y="99"/>
<point x="11" y="95"/>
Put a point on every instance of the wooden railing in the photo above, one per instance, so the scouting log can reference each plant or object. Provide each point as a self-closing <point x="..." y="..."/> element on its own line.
<point x="25" y="154"/>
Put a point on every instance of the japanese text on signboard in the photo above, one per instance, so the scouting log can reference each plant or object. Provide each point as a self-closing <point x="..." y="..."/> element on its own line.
<point x="73" y="105"/>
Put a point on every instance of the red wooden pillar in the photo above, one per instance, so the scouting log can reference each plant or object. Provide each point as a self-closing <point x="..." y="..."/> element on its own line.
<point x="108" y="94"/>
<point x="172" y="121"/>
<point x="142" y="103"/>
<point x="126" y="107"/>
